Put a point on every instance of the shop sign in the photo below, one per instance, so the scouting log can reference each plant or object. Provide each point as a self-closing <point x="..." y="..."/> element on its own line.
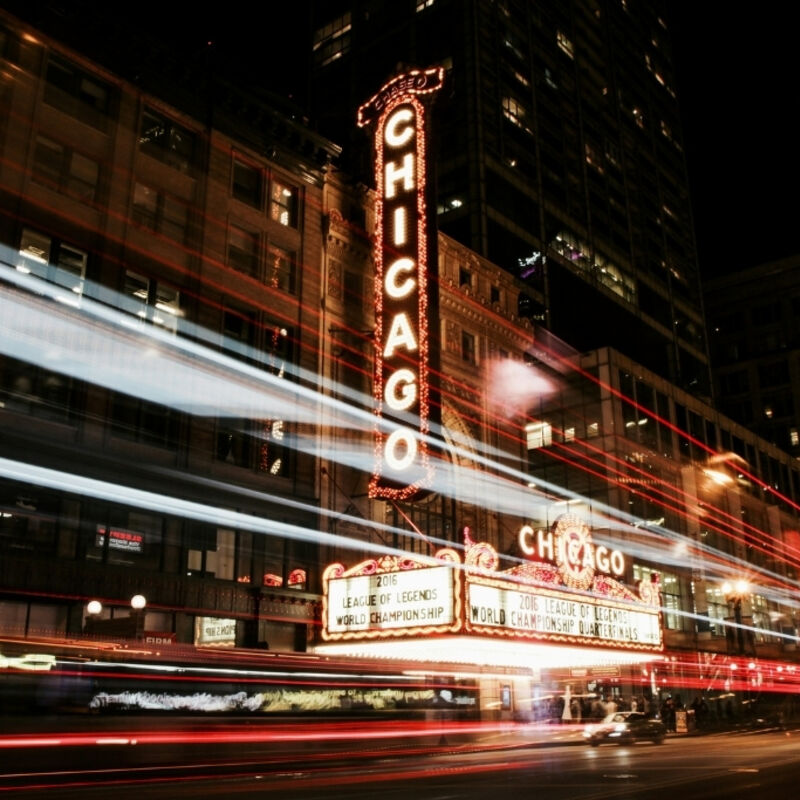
<point x="128" y="541"/>
<point x="217" y="631"/>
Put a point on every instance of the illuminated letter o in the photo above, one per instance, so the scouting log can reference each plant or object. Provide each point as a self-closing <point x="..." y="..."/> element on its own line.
<point x="617" y="562"/>
<point x="391" y="135"/>
<point x="406" y="396"/>
<point x="407" y="437"/>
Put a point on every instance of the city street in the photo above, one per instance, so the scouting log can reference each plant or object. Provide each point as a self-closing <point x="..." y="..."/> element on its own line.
<point x="729" y="765"/>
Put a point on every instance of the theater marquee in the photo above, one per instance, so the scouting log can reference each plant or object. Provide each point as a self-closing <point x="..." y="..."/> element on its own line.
<point x="405" y="250"/>
<point x="567" y="592"/>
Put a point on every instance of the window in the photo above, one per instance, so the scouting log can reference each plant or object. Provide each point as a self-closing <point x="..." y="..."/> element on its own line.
<point x="127" y="536"/>
<point x="280" y="269"/>
<point x="151" y="300"/>
<point x="211" y="553"/>
<point x="464" y="278"/>
<point x="143" y="421"/>
<point x="65" y="170"/>
<point x="671" y="599"/>
<point x="515" y="112"/>
<point x="247" y="183"/>
<point x="29" y="389"/>
<point x="167" y="141"/>
<point x="243" y="250"/>
<point x="468" y="347"/>
<point x="283" y="204"/>
<point x="52" y="260"/>
<point x="494" y="294"/>
<point x="160" y="212"/>
<point x="78" y="93"/>
<point x="564" y="44"/>
<point x="332" y="41"/>
<point x="255" y="444"/>
<point x="538" y="434"/>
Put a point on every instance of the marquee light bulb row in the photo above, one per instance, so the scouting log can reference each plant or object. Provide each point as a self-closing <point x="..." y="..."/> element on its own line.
<point x="402" y="258"/>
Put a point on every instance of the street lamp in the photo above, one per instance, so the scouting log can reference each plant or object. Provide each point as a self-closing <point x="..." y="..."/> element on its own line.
<point x="735" y="593"/>
<point x="138" y="602"/>
<point x="94" y="607"/>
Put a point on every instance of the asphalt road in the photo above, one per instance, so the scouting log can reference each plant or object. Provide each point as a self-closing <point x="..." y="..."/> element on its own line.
<point x="729" y="765"/>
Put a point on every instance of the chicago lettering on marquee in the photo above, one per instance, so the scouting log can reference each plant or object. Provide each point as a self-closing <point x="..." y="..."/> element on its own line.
<point x="405" y="251"/>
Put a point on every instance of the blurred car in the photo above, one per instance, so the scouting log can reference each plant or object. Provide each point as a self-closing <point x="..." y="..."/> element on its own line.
<point x="625" y="727"/>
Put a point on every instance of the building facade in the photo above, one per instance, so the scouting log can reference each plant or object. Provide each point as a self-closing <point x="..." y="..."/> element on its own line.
<point x="179" y="269"/>
<point x="559" y="156"/>
<point x="189" y="309"/>
<point x="755" y="342"/>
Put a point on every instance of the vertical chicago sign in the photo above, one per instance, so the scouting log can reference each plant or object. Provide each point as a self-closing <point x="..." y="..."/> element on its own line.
<point x="405" y="259"/>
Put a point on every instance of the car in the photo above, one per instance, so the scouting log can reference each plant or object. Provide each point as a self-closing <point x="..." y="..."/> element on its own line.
<point x="625" y="727"/>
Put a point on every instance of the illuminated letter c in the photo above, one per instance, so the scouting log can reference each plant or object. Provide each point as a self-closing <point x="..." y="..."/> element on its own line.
<point x="393" y="137"/>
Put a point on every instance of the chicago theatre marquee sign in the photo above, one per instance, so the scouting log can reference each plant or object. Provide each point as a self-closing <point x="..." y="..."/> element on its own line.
<point x="567" y="590"/>
<point x="405" y="250"/>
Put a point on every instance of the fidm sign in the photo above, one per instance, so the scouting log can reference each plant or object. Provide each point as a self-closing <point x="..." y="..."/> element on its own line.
<point x="405" y="250"/>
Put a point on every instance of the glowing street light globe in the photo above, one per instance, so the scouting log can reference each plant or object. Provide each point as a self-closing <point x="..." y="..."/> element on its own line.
<point x="94" y="607"/>
<point x="138" y="602"/>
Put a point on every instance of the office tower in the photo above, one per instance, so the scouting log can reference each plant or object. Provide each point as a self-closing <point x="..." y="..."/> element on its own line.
<point x="559" y="155"/>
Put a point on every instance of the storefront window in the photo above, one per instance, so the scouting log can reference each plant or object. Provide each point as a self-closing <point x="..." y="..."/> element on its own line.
<point x="671" y="595"/>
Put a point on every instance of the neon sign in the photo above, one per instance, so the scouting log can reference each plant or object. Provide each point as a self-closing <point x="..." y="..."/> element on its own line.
<point x="404" y="252"/>
<point x="569" y="544"/>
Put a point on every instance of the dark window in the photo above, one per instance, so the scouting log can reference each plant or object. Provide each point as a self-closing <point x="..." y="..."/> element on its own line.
<point x="158" y="211"/>
<point x="255" y="444"/>
<point x="142" y="421"/>
<point x="30" y="389"/>
<point x="78" y="93"/>
<point x="28" y="519"/>
<point x="167" y="141"/>
<point x="65" y="170"/>
<point x="247" y="183"/>
<point x="243" y="250"/>
<point x="468" y="347"/>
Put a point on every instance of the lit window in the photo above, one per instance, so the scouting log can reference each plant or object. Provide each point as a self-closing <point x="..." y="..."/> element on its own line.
<point x="332" y="41"/>
<point x="53" y="261"/>
<point x="423" y="4"/>
<point x="283" y="204"/>
<point x="522" y="79"/>
<point x="167" y="141"/>
<point x="539" y="434"/>
<point x="280" y="269"/>
<point x="565" y="44"/>
<point x="569" y="434"/>
<point x="794" y="437"/>
<point x="514" y="111"/>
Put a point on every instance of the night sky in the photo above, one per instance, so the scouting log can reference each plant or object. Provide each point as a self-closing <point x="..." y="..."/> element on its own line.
<point x="737" y="86"/>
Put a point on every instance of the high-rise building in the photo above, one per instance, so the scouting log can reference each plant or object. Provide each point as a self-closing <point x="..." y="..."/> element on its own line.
<point x="754" y="339"/>
<point x="559" y="155"/>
